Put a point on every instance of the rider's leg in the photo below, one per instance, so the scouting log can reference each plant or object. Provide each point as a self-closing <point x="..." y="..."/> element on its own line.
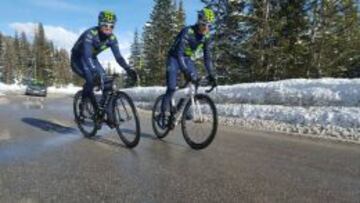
<point x="102" y="73"/>
<point x="77" y="67"/>
<point x="171" y="74"/>
<point x="89" y="85"/>
<point x="191" y="66"/>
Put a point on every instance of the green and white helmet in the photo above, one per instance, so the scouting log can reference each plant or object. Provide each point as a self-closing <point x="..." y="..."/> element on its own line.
<point x="206" y="16"/>
<point x="107" y="17"/>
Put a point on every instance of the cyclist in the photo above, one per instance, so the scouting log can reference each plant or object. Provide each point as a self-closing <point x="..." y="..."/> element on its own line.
<point x="84" y="60"/>
<point x="189" y="42"/>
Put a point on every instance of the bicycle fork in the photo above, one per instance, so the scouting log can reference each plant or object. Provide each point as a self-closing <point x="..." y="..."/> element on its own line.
<point x="197" y="115"/>
<point x="196" y="111"/>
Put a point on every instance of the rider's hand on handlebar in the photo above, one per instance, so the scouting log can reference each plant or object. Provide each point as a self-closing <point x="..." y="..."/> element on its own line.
<point x="132" y="74"/>
<point x="212" y="80"/>
<point x="190" y="76"/>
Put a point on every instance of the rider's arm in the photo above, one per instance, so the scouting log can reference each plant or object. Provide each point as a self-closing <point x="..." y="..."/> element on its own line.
<point x="116" y="51"/>
<point x="183" y="40"/>
<point x="207" y="57"/>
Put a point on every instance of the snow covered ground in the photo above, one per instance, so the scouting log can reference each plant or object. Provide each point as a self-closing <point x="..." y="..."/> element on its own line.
<point x="69" y="89"/>
<point x="11" y="88"/>
<point x="322" y="107"/>
<point x="295" y="92"/>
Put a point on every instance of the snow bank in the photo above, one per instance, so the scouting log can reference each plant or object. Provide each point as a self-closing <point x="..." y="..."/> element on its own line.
<point x="295" y="92"/>
<point x="325" y="107"/>
<point x="69" y="89"/>
<point x="10" y="88"/>
<point x="345" y="117"/>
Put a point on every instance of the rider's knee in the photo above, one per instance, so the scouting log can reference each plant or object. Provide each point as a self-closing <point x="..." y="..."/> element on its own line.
<point x="170" y="91"/>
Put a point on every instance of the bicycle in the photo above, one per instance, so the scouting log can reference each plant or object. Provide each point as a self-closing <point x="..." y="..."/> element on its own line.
<point x="199" y="110"/>
<point x="118" y="111"/>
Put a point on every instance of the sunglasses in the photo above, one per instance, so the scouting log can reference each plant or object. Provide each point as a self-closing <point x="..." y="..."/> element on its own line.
<point x="205" y="24"/>
<point x="107" y="25"/>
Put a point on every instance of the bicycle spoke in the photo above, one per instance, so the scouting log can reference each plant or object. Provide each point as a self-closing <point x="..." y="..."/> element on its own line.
<point x="129" y="129"/>
<point x="200" y="131"/>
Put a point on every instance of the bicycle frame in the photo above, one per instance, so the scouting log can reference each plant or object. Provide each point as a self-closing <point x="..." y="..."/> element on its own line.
<point x="196" y="112"/>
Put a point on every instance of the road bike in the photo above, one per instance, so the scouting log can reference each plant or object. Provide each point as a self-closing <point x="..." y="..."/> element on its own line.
<point x="117" y="111"/>
<point x="196" y="112"/>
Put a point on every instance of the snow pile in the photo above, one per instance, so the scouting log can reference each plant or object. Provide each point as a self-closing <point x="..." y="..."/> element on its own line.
<point x="69" y="89"/>
<point x="320" y="106"/>
<point x="294" y="92"/>
<point x="11" y="88"/>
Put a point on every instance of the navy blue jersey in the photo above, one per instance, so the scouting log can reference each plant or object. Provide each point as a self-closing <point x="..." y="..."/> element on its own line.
<point x="189" y="43"/>
<point x="92" y="42"/>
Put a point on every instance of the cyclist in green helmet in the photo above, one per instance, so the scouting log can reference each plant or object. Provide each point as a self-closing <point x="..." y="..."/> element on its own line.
<point x="190" y="41"/>
<point x="93" y="41"/>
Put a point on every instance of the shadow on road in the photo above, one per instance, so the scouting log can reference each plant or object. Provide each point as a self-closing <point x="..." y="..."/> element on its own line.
<point x="103" y="140"/>
<point x="99" y="138"/>
<point x="143" y="135"/>
<point x="48" y="126"/>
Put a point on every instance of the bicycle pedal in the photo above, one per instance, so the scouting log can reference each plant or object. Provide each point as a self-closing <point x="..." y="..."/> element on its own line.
<point x="171" y="126"/>
<point x="171" y="123"/>
<point x="98" y="126"/>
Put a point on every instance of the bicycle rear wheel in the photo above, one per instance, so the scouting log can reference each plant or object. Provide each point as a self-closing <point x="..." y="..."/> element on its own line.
<point x="199" y="122"/>
<point x="156" y="110"/>
<point x="85" y="115"/>
<point x="127" y="119"/>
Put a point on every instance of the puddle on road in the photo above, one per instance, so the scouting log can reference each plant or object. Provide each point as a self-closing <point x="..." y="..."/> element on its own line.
<point x="4" y="135"/>
<point x="4" y="100"/>
<point x="56" y="135"/>
<point x="34" y="103"/>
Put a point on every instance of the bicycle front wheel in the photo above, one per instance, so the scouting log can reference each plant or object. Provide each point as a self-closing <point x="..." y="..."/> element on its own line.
<point x="199" y="122"/>
<point x="127" y="119"/>
<point x="84" y="113"/>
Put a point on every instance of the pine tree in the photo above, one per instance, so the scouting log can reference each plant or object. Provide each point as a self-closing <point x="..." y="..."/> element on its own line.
<point x="334" y="38"/>
<point x="49" y="57"/>
<point x="62" y="72"/>
<point x="180" y="17"/>
<point x="9" y="62"/>
<point x="44" y="60"/>
<point x="2" y="50"/>
<point x="25" y="55"/>
<point x="39" y="51"/>
<point x="18" y="65"/>
<point x="229" y="56"/>
<point x="22" y="51"/>
<point x="351" y="28"/>
<point x="290" y="49"/>
<point x="159" y="34"/>
<point x="136" y="57"/>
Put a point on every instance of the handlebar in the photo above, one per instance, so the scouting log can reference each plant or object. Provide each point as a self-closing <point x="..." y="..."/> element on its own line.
<point x="200" y="82"/>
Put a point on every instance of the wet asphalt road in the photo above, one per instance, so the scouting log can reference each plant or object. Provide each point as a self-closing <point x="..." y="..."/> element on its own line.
<point x="44" y="158"/>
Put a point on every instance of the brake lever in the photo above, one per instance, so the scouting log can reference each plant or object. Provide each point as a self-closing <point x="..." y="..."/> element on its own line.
<point x="211" y="89"/>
